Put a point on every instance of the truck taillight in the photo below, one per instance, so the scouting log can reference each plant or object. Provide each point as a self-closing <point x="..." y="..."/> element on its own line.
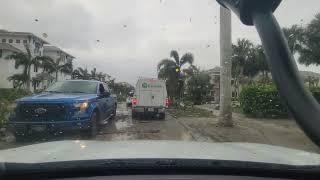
<point x="167" y="102"/>
<point x="134" y="101"/>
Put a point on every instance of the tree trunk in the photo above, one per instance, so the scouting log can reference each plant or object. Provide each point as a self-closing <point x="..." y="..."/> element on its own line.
<point x="56" y="76"/>
<point x="29" y="78"/>
<point x="225" y="118"/>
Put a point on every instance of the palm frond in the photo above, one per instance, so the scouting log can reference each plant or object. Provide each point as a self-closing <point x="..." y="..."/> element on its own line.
<point x="21" y="59"/>
<point x="166" y="62"/>
<point x="175" y="55"/>
<point x="186" y="58"/>
<point x="66" y="68"/>
<point x="18" y="77"/>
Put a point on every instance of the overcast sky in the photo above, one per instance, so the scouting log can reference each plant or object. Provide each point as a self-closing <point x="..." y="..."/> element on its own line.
<point x="135" y="35"/>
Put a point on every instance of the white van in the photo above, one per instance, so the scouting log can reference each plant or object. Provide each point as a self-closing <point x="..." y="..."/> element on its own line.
<point x="150" y="98"/>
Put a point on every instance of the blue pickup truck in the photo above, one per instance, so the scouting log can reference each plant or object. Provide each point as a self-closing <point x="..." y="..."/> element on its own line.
<point x="81" y="105"/>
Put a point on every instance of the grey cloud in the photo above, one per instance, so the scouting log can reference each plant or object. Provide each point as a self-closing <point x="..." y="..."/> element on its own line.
<point x="135" y="34"/>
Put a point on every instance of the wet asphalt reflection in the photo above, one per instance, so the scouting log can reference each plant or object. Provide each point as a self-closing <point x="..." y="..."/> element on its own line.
<point x="122" y="128"/>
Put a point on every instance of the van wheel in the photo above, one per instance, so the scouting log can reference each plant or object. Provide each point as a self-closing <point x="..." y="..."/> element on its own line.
<point x="134" y="115"/>
<point x="162" y="116"/>
<point x="93" y="130"/>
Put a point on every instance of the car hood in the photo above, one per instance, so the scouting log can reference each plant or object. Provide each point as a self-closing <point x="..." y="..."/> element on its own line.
<point x="73" y="150"/>
<point x="57" y="97"/>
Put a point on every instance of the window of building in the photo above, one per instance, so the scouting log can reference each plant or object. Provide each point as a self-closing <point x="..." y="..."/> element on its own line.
<point x="4" y="40"/>
<point x="35" y="68"/>
<point x="10" y="41"/>
<point x="36" y="48"/>
<point x="25" y="41"/>
<point x="0" y="53"/>
<point x="18" y="41"/>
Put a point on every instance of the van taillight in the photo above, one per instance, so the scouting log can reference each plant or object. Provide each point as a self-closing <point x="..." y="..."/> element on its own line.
<point x="167" y="102"/>
<point x="134" y="101"/>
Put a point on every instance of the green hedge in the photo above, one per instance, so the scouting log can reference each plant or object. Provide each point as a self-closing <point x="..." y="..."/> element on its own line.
<point x="7" y="96"/>
<point x="12" y="94"/>
<point x="316" y="93"/>
<point x="4" y="111"/>
<point x="264" y="101"/>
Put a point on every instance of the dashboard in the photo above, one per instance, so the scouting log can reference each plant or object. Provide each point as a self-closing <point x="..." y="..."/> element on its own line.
<point x="171" y="177"/>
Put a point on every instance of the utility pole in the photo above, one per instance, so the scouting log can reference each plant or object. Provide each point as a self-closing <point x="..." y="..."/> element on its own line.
<point x="225" y="118"/>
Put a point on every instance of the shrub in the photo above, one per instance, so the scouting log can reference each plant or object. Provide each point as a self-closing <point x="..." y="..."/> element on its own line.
<point x="316" y="93"/>
<point x="4" y="111"/>
<point x="262" y="101"/>
<point x="7" y="96"/>
<point x="12" y="94"/>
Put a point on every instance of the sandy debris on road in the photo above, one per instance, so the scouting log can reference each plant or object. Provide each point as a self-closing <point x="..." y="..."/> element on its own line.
<point x="281" y="132"/>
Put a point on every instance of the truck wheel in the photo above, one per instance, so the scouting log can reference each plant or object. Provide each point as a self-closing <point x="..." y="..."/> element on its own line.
<point x="114" y="112"/>
<point x="93" y="130"/>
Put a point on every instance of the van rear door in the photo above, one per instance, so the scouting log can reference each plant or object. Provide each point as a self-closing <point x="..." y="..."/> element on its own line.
<point x="151" y="93"/>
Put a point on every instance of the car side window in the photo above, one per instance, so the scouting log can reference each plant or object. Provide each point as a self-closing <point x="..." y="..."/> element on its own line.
<point x="101" y="89"/>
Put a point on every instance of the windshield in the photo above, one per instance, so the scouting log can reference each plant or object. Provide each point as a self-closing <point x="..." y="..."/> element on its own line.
<point x="73" y="87"/>
<point x="161" y="71"/>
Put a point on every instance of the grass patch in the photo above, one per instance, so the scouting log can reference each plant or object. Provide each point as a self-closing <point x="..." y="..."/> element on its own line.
<point x="190" y="112"/>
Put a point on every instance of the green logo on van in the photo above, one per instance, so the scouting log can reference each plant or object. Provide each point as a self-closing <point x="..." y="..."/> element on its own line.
<point x="144" y="85"/>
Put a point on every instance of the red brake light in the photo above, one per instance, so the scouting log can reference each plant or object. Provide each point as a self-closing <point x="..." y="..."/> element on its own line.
<point x="134" y="101"/>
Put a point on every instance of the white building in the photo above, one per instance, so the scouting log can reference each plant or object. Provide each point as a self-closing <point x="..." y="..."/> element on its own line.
<point x="11" y="42"/>
<point x="55" y="53"/>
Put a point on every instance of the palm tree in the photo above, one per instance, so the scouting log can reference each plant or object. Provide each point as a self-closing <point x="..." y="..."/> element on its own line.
<point x="101" y="76"/>
<point x="295" y="36"/>
<point x="170" y="70"/>
<point x="56" y="67"/>
<point x="26" y="60"/>
<point x="81" y="73"/>
<point x="18" y="80"/>
<point x="93" y="73"/>
<point x="241" y="54"/>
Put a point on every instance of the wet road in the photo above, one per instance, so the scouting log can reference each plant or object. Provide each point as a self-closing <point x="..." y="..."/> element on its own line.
<point x="122" y="128"/>
<point x="126" y="128"/>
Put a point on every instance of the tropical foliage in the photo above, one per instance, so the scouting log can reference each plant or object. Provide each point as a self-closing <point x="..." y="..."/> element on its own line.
<point x="248" y="60"/>
<point x="304" y="41"/>
<point x="25" y="60"/>
<point x="170" y="69"/>
<point x="198" y="88"/>
<point x="56" y="66"/>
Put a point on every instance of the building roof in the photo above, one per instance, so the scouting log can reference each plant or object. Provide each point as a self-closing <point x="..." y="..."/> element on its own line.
<point x="9" y="47"/>
<point x="54" y="48"/>
<point x="214" y="70"/>
<point x="13" y="33"/>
